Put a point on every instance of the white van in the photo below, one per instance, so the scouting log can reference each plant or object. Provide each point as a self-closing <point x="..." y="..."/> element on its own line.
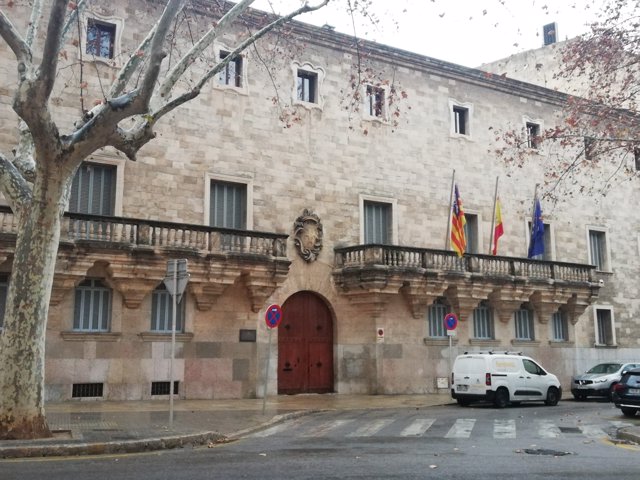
<point x="502" y="378"/>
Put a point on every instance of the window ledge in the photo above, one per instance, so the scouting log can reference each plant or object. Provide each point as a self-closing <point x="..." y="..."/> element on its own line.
<point x="439" y="342"/>
<point x="484" y="342"/>
<point x="90" y="336"/>
<point x="601" y="345"/>
<point x="468" y="138"/>
<point x="308" y="105"/>
<point x="231" y="88"/>
<point x="532" y="343"/>
<point x="164" y="337"/>
<point x="560" y="343"/>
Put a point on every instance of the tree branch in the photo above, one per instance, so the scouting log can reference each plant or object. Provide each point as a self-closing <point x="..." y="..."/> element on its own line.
<point x="19" y="47"/>
<point x="17" y="191"/>
<point x="127" y="70"/>
<point x="49" y="65"/>
<point x="34" y="22"/>
<point x="70" y="23"/>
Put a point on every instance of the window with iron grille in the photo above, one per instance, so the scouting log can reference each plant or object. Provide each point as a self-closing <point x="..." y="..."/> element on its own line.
<point x="231" y="74"/>
<point x="598" y="250"/>
<point x="307" y="86"/>
<point x="377" y="222"/>
<point x="162" y="388"/>
<point x="228" y="205"/>
<point x="435" y="315"/>
<point x="524" y="324"/>
<point x="162" y="311"/>
<point x="101" y="37"/>
<point x="4" y="290"/>
<point x="94" y="189"/>
<point x="560" y="326"/>
<point x="374" y="101"/>
<point x="483" y="321"/>
<point x="604" y="327"/>
<point x="82" y="390"/>
<point x="92" y="309"/>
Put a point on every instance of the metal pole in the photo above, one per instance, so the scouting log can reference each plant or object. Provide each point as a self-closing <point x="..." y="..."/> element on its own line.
<point x="266" y="374"/>
<point x="493" y="220"/>
<point x="447" y="239"/>
<point x="173" y="340"/>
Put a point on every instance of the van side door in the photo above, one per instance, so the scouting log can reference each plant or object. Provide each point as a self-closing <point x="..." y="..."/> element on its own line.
<point x="535" y="380"/>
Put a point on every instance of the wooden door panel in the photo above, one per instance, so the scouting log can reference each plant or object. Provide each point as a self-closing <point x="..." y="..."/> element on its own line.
<point x="305" y="346"/>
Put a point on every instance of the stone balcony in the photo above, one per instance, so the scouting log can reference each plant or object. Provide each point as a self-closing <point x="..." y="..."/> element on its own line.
<point x="134" y="253"/>
<point x="371" y="274"/>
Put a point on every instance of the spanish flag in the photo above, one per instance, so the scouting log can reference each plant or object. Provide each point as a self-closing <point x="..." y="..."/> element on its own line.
<point x="498" y="231"/>
<point x="458" y="238"/>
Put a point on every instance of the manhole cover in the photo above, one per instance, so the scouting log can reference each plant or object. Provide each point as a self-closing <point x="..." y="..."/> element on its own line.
<point x="544" y="451"/>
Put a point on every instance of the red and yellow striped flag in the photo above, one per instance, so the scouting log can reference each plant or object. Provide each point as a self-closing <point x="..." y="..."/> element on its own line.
<point x="458" y="238"/>
<point x="498" y="231"/>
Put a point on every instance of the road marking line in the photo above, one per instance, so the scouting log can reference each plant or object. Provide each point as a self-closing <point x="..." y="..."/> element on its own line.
<point x="325" y="428"/>
<point x="461" y="429"/>
<point x="504" y="429"/>
<point x="592" y="431"/>
<point x="418" y="427"/>
<point x="548" y="429"/>
<point x="370" y="429"/>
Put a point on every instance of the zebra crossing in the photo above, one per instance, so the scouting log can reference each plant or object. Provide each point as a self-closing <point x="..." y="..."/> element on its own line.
<point x="460" y="428"/>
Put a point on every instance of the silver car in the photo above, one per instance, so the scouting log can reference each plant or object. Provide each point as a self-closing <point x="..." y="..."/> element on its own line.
<point x="600" y="380"/>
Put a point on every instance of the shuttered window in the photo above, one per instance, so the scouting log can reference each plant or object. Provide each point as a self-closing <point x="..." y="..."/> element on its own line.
<point x="377" y="223"/>
<point x="228" y="205"/>
<point x="604" y="325"/>
<point x="483" y="322"/>
<point x="162" y="311"/>
<point x="94" y="189"/>
<point x="560" y="327"/>
<point x="436" y="314"/>
<point x="598" y="249"/>
<point x="92" y="310"/>
<point x="524" y="324"/>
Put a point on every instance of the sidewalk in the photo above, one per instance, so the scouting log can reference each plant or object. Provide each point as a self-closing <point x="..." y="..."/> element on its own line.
<point x="86" y="428"/>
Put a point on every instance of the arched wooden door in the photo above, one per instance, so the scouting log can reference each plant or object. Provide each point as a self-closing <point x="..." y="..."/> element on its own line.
<point x="305" y="346"/>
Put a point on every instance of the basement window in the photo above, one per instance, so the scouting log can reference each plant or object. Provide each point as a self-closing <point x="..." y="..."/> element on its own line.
<point x="87" y="390"/>
<point x="162" y="388"/>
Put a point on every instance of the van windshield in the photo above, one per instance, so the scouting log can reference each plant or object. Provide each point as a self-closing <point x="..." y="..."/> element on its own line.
<point x="605" y="368"/>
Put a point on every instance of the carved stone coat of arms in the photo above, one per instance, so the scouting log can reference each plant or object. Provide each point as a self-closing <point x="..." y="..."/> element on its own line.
<point x="307" y="232"/>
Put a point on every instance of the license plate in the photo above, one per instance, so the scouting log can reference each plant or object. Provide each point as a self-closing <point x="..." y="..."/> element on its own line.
<point x="463" y="388"/>
<point x="634" y="391"/>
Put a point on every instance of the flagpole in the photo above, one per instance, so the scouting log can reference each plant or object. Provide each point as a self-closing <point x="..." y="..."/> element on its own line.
<point x="447" y="238"/>
<point x="493" y="219"/>
<point x="533" y="214"/>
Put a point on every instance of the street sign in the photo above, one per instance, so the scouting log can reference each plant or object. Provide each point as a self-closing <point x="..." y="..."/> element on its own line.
<point x="450" y="321"/>
<point x="273" y="316"/>
<point x="177" y="277"/>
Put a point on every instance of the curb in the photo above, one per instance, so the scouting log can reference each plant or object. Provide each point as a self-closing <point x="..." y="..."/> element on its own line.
<point x="141" y="445"/>
<point x="628" y="435"/>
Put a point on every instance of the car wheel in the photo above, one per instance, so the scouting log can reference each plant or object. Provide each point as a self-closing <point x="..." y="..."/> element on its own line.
<point x="629" y="412"/>
<point x="501" y="399"/>
<point x="579" y="397"/>
<point x="553" y="396"/>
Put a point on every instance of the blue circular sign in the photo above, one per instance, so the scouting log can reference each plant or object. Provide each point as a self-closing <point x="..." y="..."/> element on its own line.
<point x="450" y="321"/>
<point x="273" y="316"/>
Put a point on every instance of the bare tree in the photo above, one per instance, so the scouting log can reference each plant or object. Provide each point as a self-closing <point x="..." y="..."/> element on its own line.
<point x="596" y="142"/>
<point x="36" y="176"/>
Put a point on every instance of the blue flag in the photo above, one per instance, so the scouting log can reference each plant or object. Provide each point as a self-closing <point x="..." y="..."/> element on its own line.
<point x="536" y="245"/>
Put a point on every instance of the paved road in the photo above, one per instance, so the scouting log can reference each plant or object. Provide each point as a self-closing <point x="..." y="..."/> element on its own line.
<point x="568" y="441"/>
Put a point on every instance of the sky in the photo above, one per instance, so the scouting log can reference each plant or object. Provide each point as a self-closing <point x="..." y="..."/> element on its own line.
<point x="465" y="32"/>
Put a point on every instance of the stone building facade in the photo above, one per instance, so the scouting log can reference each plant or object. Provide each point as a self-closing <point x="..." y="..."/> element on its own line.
<point x="334" y="204"/>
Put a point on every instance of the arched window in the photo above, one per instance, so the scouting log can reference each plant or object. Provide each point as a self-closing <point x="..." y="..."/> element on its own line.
<point x="483" y="321"/>
<point x="92" y="311"/>
<point x="524" y="323"/>
<point x="435" y="316"/>
<point x="162" y="311"/>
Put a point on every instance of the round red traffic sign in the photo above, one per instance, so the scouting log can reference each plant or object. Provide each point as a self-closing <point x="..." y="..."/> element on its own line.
<point x="273" y="316"/>
<point x="450" y="321"/>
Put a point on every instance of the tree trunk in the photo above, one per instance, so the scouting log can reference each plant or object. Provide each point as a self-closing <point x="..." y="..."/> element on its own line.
<point x="22" y="343"/>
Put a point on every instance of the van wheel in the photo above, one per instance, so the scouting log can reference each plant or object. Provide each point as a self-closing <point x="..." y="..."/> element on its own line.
<point x="501" y="399"/>
<point x="628" y="412"/>
<point x="463" y="403"/>
<point x="553" y="397"/>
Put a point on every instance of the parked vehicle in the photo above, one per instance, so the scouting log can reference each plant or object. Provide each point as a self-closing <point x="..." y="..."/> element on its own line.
<point x="502" y="378"/>
<point x="600" y="380"/>
<point x="626" y="393"/>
